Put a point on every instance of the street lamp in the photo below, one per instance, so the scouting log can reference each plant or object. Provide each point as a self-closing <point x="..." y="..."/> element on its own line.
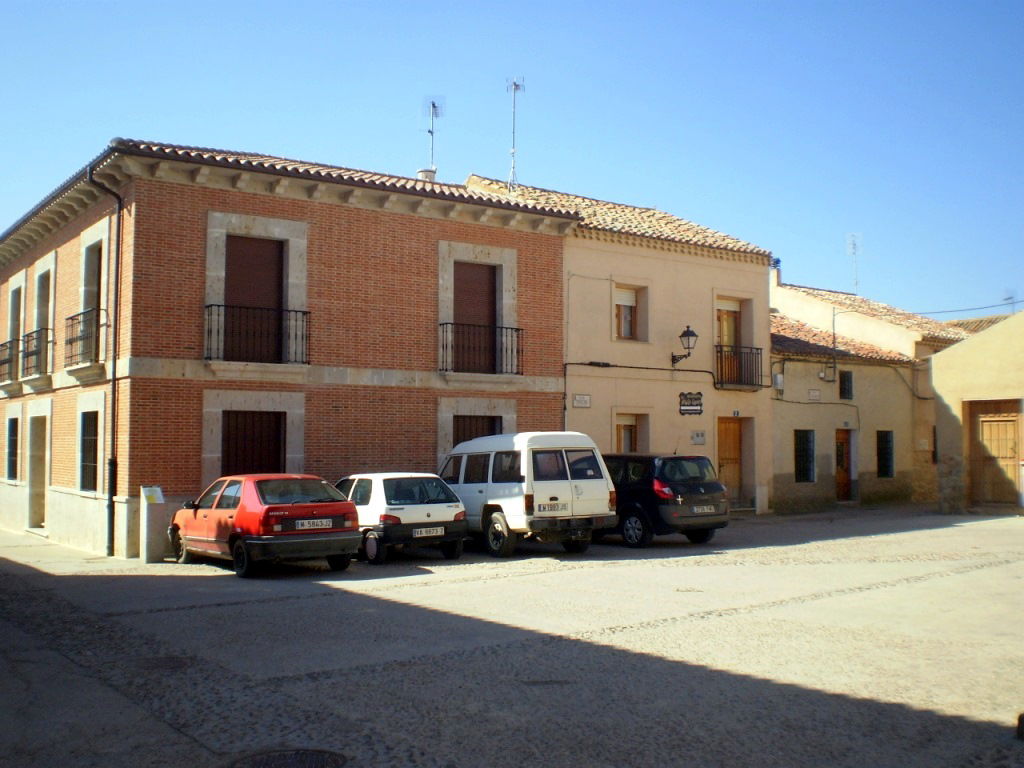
<point x="688" y="339"/>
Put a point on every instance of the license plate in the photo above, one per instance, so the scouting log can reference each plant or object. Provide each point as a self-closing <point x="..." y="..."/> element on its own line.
<point x="706" y="509"/>
<point x="419" y="532"/>
<point x="324" y="522"/>
<point x="560" y="507"/>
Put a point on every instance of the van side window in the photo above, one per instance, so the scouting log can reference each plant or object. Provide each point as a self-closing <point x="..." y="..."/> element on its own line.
<point x="549" y="465"/>
<point x="361" y="491"/>
<point x="506" y="467"/>
<point x="345" y="486"/>
<point x="450" y="472"/>
<point x="583" y="465"/>
<point x="476" y="468"/>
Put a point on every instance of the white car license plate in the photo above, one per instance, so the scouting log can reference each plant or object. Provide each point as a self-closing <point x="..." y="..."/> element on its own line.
<point x="324" y="522"/>
<point x="705" y="509"/>
<point x="419" y="532"/>
<point x="562" y="506"/>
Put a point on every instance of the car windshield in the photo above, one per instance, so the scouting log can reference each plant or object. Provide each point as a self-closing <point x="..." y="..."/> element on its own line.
<point x="297" y="491"/>
<point x="418" y="490"/>
<point x="681" y="469"/>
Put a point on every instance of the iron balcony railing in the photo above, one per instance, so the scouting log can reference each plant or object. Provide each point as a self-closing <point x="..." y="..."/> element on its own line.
<point x="81" y="338"/>
<point x="9" y="360"/>
<point x="481" y="349"/>
<point x="256" y="334"/>
<point x="34" y="348"/>
<point x="738" y="366"/>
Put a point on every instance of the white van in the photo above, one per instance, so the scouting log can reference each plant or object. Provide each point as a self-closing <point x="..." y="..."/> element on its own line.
<point x="551" y="486"/>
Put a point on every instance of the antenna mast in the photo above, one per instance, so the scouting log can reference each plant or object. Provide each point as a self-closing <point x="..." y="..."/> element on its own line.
<point x="435" y="110"/>
<point x="515" y="86"/>
<point x="851" y="249"/>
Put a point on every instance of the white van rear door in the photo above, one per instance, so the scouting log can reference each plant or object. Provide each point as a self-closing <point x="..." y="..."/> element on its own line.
<point x="589" y="484"/>
<point x="552" y="494"/>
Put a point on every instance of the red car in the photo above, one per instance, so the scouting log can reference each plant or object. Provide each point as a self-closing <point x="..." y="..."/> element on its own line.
<point x="252" y="518"/>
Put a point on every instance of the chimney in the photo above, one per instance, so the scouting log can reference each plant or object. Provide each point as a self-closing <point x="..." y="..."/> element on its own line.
<point x="426" y="174"/>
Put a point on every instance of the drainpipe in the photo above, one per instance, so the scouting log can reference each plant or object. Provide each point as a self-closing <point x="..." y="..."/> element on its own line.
<point x="114" y="332"/>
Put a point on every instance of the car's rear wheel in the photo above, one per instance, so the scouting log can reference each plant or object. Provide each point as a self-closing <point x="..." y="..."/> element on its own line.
<point x="500" y="540"/>
<point x="242" y="561"/>
<point x="375" y="549"/>
<point x="181" y="553"/>
<point x="702" y="536"/>
<point x="576" y="546"/>
<point x="339" y="562"/>
<point x="636" y="530"/>
<point x="452" y="550"/>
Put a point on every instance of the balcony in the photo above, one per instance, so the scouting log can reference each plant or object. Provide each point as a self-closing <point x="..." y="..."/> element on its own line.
<point x="9" y="361"/>
<point x="481" y="349"/>
<point x="81" y="338"/>
<point x="34" y="360"/>
<point x="737" y="367"/>
<point x="256" y="334"/>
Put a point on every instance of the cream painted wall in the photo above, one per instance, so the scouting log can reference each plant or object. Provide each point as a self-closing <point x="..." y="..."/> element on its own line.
<point x="987" y="366"/>
<point x="882" y="400"/>
<point x="678" y="286"/>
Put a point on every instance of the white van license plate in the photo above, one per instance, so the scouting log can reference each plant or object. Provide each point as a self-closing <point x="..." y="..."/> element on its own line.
<point x="419" y="532"/>
<point x="302" y="525"/>
<point x="562" y="506"/>
<point x="706" y="509"/>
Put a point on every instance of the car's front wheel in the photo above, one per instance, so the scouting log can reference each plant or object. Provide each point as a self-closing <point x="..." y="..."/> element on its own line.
<point x="501" y="541"/>
<point x="702" y="536"/>
<point x="242" y="561"/>
<point x="375" y="549"/>
<point x="181" y="553"/>
<point x="339" y="562"/>
<point x="636" y="530"/>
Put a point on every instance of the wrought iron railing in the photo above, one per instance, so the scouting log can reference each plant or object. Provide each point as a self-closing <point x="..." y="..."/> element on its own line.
<point x="738" y="366"/>
<point x="256" y="334"/>
<point x="9" y="360"/>
<point x="34" y="349"/>
<point x="81" y="338"/>
<point x="481" y="349"/>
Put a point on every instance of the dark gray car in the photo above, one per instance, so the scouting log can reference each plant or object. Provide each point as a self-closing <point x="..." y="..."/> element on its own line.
<point x="658" y="494"/>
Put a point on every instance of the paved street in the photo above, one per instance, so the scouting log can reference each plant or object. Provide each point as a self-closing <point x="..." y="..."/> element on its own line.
<point x="860" y="637"/>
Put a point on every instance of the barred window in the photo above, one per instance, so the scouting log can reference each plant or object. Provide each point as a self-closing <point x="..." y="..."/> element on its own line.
<point x="846" y="385"/>
<point x="12" y="449"/>
<point x="88" y="451"/>
<point x="803" y="455"/>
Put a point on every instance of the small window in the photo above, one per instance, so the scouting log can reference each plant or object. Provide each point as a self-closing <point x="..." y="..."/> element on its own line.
<point x="630" y="431"/>
<point x="88" y="450"/>
<point x="506" y="467"/>
<point x="451" y="470"/>
<point x="803" y="455"/>
<point x="846" y="385"/>
<point x="884" y="452"/>
<point x="476" y="468"/>
<point x="583" y="465"/>
<point x="206" y="500"/>
<point x="625" y="313"/>
<point x="232" y="495"/>
<point x="549" y="465"/>
<point x="12" y="449"/>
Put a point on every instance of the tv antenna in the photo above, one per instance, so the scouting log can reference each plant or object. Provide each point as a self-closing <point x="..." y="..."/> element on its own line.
<point x="434" y="107"/>
<point x="515" y="86"/>
<point x="852" y="244"/>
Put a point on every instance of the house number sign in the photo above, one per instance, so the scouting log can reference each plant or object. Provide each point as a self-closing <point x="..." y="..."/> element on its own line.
<point x="691" y="403"/>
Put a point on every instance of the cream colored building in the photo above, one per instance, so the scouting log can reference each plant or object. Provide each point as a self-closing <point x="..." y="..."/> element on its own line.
<point x="887" y="328"/>
<point x="635" y="279"/>
<point x="843" y="419"/>
<point x="979" y="397"/>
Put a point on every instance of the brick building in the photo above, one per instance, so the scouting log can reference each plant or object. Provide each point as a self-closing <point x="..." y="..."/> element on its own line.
<point x="173" y="313"/>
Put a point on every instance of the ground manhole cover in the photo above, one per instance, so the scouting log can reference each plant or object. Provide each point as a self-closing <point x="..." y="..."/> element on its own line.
<point x="291" y="758"/>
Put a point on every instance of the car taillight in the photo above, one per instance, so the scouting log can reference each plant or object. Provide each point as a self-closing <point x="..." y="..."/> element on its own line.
<point x="460" y="515"/>
<point x="390" y="520"/>
<point x="351" y="520"/>
<point x="528" y="503"/>
<point x="613" y="501"/>
<point x="662" y="491"/>
<point x="270" y="521"/>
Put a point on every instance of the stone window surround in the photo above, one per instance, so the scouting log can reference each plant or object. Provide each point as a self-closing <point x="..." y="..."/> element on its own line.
<point x="449" y="407"/>
<point x="97" y="234"/>
<point x="16" y="282"/>
<point x="14" y="411"/>
<point x="216" y="401"/>
<point x="92" y="401"/>
<point x="508" y="286"/>
<point x="642" y="415"/>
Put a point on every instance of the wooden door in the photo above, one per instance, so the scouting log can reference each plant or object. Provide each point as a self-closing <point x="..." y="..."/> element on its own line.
<point x="253" y="298"/>
<point x="843" y="484"/>
<point x="730" y="452"/>
<point x="995" y="455"/>
<point x="476" y="317"/>
<point x="467" y="427"/>
<point x="252" y="441"/>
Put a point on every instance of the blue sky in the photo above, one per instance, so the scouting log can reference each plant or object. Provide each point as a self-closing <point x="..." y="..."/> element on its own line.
<point x="791" y="125"/>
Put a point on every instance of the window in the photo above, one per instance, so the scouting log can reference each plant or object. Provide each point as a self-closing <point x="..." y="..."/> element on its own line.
<point x="361" y="491"/>
<point x="583" y="465"/>
<point x="625" y="313"/>
<point x="630" y="432"/>
<point x="452" y="469"/>
<point x="549" y="465"/>
<point x="476" y="468"/>
<point x="12" y="449"/>
<point x="803" y="455"/>
<point x="206" y="500"/>
<point x="506" y="467"/>
<point x="846" y="385"/>
<point x="884" y="453"/>
<point x="232" y="495"/>
<point x="88" y="450"/>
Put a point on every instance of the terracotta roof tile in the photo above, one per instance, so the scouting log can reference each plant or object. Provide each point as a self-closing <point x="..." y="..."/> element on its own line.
<point x="927" y="327"/>
<point x="619" y="217"/>
<point x="976" y="324"/>
<point x="792" y="337"/>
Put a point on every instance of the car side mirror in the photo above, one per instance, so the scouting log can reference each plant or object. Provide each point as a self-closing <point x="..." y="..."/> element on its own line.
<point x="192" y="504"/>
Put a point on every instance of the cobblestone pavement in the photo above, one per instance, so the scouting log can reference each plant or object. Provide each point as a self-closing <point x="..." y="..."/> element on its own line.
<point x="858" y="637"/>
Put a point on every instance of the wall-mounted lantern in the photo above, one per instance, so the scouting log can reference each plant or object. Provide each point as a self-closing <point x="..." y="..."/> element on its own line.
<point x="688" y="339"/>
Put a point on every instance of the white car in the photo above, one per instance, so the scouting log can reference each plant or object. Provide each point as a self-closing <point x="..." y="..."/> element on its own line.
<point x="398" y="509"/>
